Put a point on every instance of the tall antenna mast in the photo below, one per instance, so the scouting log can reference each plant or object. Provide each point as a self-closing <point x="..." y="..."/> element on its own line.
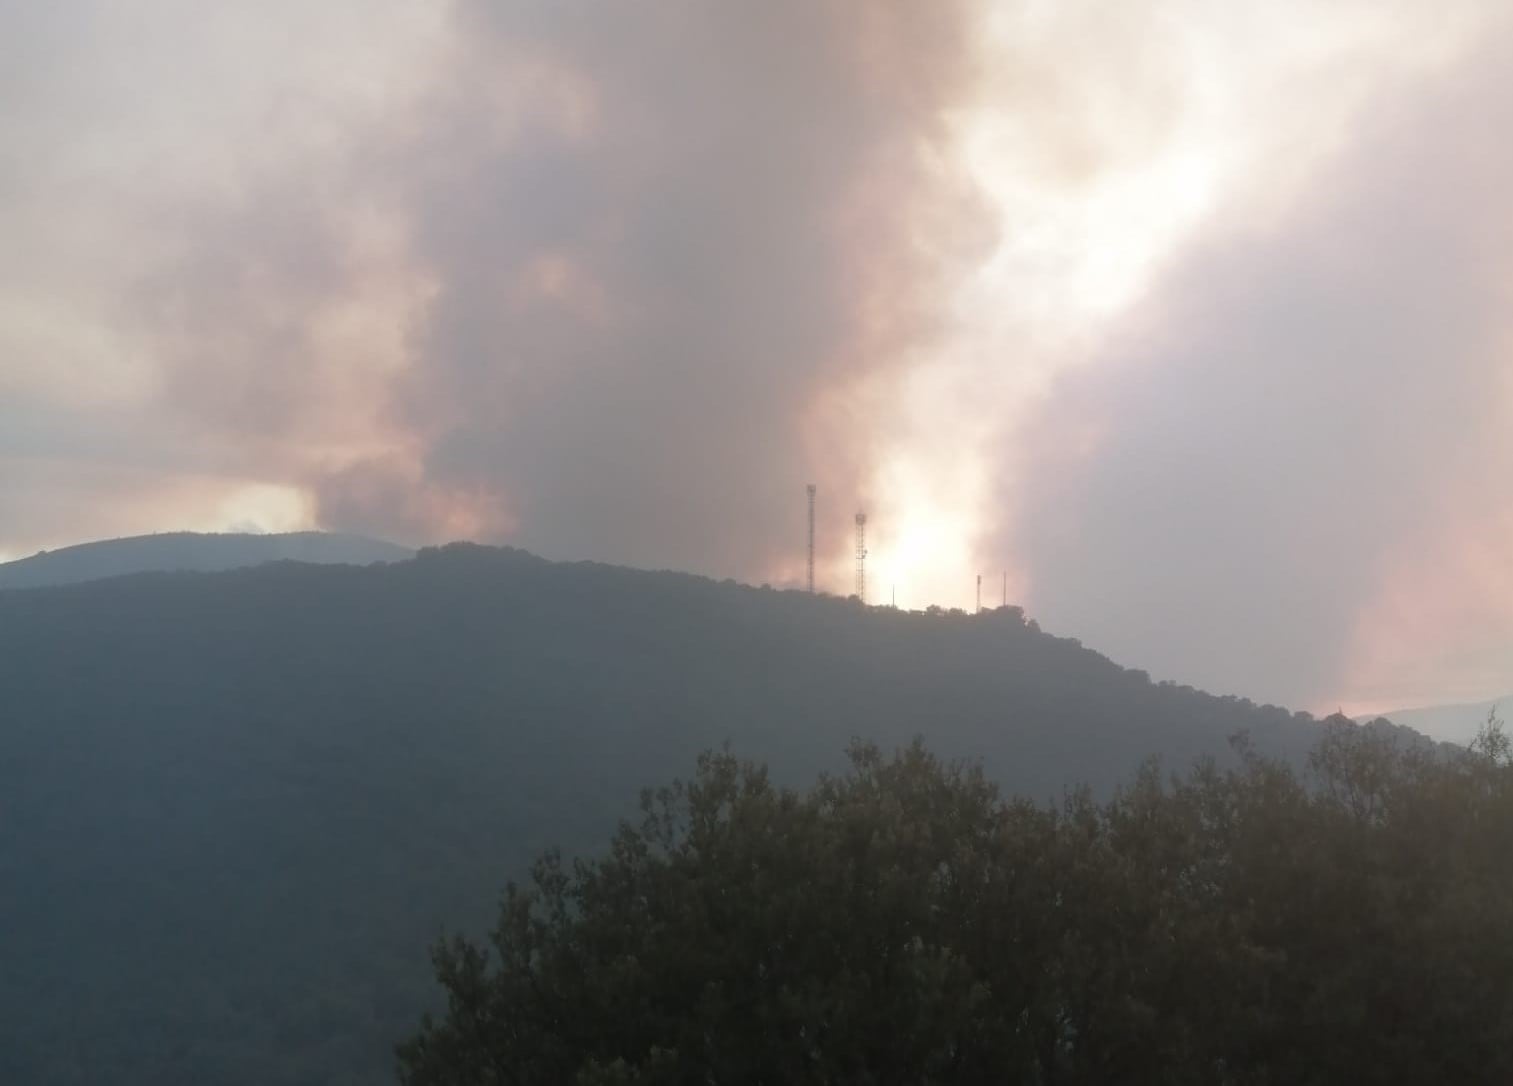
<point x="979" y="593"/>
<point x="811" y="539"/>
<point x="1005" y="588"/>
<point x="861" y="557"/>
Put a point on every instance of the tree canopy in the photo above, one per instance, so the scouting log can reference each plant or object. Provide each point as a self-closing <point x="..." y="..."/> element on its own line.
<point x="905" y="923"/>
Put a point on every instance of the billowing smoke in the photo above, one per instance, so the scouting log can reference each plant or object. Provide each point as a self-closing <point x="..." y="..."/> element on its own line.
<point x="616" y="281"/>
<point x="1283" y="472"/>
<point x="666" y="242"/>
<point x="609" y="281"/>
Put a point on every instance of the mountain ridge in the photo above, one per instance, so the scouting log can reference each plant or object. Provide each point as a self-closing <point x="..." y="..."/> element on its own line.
<point x="239" y="805"/>
<point x="1451" y="723"/>
<point x="202" y="552"/>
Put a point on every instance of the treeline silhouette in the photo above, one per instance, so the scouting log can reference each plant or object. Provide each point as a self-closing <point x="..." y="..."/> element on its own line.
<point x="236" y="807"/>
<point x="903" y="923"/>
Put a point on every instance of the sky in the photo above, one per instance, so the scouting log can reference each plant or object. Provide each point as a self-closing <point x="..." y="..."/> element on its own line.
<point x="1183" y="322"/>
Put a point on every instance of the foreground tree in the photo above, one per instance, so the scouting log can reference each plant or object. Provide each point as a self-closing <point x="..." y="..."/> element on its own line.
<point x="904" y="924"/>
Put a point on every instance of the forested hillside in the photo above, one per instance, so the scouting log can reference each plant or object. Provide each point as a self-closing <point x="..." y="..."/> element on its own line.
<point x="236" y="807"/>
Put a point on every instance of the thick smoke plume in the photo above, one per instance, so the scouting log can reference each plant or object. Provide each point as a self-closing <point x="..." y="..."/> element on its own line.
<point x="668" y="243"/>
<point x="605" y="280"/>
<point x="1283" y="474"/>
<point x="615" y="281"/>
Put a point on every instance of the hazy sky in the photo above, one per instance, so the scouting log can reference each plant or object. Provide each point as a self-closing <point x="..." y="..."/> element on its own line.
<point x="1191" y="316"/>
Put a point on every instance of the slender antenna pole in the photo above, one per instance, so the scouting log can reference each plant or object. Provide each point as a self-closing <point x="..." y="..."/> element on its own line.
<point x="811" y="539"/>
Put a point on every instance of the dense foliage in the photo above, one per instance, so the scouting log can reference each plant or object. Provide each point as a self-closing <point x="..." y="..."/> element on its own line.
<point x="903" y="924"/>
<point x="235" y="807"/>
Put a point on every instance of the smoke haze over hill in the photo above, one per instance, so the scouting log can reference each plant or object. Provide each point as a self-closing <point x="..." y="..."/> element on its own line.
<point x="1048" y="291"/>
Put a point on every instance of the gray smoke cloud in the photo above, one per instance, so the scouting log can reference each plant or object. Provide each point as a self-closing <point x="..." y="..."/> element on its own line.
<point x="1300" y="419"/>
<point x="687" y="226"/>
<point x="602" y="280"/>
<point x="176" y="196"/>
<point x="616" y="281"/>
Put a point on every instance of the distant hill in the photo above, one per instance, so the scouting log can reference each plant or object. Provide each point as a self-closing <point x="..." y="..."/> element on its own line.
<point x="1452" y="723"/>
<point x="236" y="808"/>
<point x="174" y="551"/>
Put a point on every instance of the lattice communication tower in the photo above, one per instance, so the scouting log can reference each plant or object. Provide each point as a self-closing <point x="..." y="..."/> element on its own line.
<point x="861" y="557"/>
